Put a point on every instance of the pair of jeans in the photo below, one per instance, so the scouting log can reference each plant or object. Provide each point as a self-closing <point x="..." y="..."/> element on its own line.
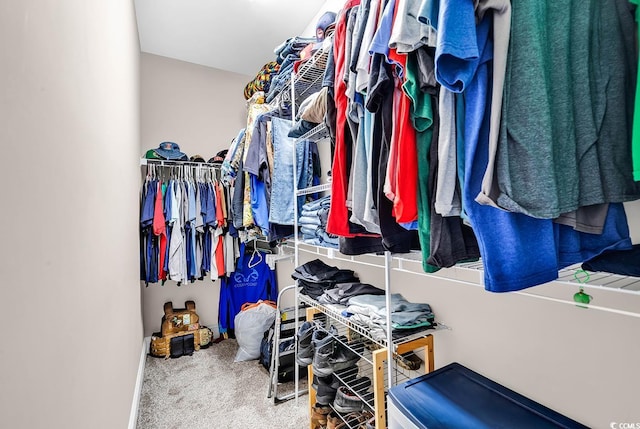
<point x="328" y="238"/>
<point x="309" y="221"/>
<point x="324" y="202"/>
<point x="321" y="214"/>
<point x="309" y="231"/>
<point x="282" y="183"/>
<point x="318" y="236"/>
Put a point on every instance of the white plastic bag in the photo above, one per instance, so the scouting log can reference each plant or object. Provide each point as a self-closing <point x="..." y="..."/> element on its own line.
<point x="250" y="326"/>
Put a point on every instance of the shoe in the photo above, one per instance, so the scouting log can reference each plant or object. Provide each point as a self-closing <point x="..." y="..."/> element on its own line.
<point x="409" y="360"/>
<point x="358" y="419"/>
<point x="319" y="416"/>
<point x="323" y="340"/>
<point x="320" y="363"/>
<point x="325" y="389"/>
<point x="346" y="401"/>
<point x="343" y="357"/>
<point x="305" y="346"/>
<point x="334" y="421"/>
<point x="323" y="345"/>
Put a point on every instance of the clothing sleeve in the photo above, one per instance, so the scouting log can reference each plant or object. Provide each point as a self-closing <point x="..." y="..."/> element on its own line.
<point x="457" y="54"/>
<point x="224" y="307"/>
<point x="252" y="160"/>
<point x="158" y="213"/>
<point x="272" y="290"/>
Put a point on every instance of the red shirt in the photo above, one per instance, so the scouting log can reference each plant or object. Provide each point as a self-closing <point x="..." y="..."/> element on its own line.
<point x="405" y="203"/>
<point x="159" y="229"/>
<point x="338" y="220"/>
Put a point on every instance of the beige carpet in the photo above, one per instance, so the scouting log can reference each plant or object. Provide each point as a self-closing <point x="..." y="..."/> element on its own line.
<point x="210" y="391"/>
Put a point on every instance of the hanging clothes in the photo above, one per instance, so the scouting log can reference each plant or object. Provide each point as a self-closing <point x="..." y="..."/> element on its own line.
<point x="252" y="280"/>
<point x="183" y="225"/>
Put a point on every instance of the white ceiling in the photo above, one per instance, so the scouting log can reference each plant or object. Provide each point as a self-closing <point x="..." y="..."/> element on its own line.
<point x="232" y="35"/>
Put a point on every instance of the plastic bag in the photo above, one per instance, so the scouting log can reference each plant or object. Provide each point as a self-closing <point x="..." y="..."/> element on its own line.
<point x="250" y="326"/>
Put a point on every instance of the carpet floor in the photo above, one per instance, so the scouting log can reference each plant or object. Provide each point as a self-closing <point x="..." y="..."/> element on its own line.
<point x="208" y="390"/>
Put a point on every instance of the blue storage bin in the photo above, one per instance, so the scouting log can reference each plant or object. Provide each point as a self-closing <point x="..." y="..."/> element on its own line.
<point x="456" y="397"/>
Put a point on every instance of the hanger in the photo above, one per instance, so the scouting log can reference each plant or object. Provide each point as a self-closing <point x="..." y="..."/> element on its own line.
<point x="255" y="253"/>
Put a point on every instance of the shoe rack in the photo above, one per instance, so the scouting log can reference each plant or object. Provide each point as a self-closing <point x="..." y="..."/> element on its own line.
<point x="373" y="363"/>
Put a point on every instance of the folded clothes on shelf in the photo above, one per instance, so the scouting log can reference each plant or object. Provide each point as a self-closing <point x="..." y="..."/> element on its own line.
<point x="316" y="276"/>
<point x="370" y="311"/>
<point x="313" y="222"/>
<point x="342" y="292"/>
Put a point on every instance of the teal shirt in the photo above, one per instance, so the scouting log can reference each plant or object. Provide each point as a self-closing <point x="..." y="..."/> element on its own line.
<point x="422" y="119"/>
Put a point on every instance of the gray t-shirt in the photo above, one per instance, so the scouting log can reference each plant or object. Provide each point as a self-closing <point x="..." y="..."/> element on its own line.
<point x="564" y="141"/>
<point x="408" y="34"/>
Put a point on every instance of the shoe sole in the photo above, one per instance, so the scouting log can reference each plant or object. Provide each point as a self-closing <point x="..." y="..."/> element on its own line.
<point x="346" y="409"/>
<point x="304" y="361"/>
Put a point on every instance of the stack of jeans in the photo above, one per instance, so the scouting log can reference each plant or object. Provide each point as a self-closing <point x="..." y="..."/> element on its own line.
<point x="313" y="223"/>
<point x="287" y="54"/>
<point x="316" y="276"/>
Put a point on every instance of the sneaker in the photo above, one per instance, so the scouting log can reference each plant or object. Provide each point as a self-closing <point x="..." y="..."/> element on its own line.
<point x="343" y="357"/>
<point x="371" y="423"/>
<point x="323" y="345"/>
<point x="346" y="401"/>
<point x="325" y="389"/>
<point x="323" y="340"/>
<point x="305" y="346"/>
<point x="320" y="363"/>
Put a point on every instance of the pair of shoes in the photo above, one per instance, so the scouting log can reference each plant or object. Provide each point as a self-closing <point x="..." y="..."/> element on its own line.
<point x="409" y="360"/>
<point x="332" y="355"/>
<point x="319" y="416"/>
<point x="346" y="401"/>
<point x="305" y="347"/>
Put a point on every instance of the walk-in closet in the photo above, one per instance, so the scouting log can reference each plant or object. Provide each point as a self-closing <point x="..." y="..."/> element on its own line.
<point x="329" y="214"/>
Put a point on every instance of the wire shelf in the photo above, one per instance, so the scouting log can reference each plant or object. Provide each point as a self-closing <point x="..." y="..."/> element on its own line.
<point x="308" y="80"/>
<point x="314" y="189"/>
<point x="319" y="132"/>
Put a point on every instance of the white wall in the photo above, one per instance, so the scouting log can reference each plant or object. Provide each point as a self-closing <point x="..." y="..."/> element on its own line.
<point x="202" y="109"/>
<point x="69" y="127"/>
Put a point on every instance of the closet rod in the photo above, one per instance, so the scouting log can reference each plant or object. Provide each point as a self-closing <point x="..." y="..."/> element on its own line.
<point x="167" y="163"/>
